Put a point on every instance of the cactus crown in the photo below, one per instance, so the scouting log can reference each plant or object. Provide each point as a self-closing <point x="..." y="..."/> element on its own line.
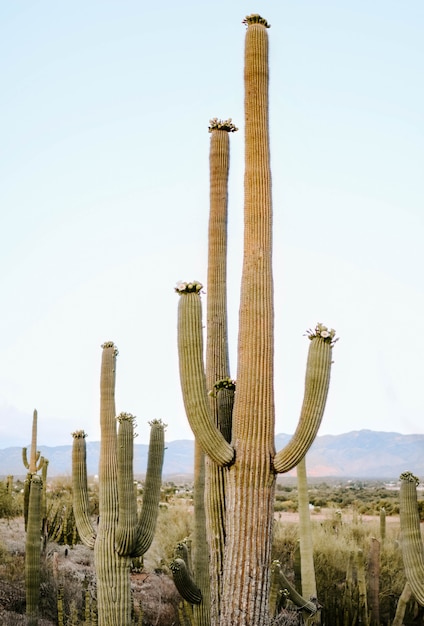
<point x="328" y="335"/>
<point x="79" y="434"/>
<point x="110" y="344"/>
<point x="254" y="18"/>
<point x="193" y="287"/>
<point x="126" y="417"/>
<point x="224" y="383"/>
<point x="157" y="422"/>
<point x="216" y="124"/>
<point x="410" y="478"/>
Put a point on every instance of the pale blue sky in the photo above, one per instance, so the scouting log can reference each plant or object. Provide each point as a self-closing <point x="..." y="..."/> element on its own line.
<point x="104" y="202"/>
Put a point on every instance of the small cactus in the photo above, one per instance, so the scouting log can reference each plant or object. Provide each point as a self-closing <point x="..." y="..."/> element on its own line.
<point x="122" y="532"/>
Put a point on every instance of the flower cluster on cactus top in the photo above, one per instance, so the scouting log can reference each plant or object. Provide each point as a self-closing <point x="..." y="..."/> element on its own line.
<point x="216" y="124"/>
<point x="410" y="478"/>
<point x="324" y="333"/>
<point x="254" y="18"/>
<point x="126" y="417"/>
<point x="110" y="344"/>
<point x="224" y="383"/>
<point x="79" y="434"/>
<point x="193" y="287"/>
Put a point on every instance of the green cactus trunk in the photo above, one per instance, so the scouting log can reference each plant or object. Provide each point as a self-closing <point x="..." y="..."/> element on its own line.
<point x="411" y="539"/>
<point x="33" y="550"/>
<point x="121" y="533"/>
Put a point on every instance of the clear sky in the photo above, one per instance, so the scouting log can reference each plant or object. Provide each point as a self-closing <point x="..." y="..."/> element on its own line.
<point x="104" y="199"/>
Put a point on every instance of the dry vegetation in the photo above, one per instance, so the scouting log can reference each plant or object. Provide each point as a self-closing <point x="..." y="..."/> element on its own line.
<point x="339" y="530"/>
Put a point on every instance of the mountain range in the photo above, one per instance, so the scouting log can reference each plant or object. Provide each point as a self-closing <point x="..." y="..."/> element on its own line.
<point x="357" y="454"/>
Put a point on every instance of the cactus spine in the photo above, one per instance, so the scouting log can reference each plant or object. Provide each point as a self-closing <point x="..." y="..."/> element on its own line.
<point x="411" y="539"/>
<point x="121" y="533"/>
<point x="250" y="459"/>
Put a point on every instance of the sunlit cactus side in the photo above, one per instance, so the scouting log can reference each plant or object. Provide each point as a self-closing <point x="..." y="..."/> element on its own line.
<point x="122" y="532"/>
<point x="250" y="456"/>
<point x="33" y="549"/>
<point x="411" y="539"/>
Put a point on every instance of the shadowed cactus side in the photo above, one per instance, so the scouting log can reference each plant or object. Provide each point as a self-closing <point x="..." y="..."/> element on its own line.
<point x="411" y="539"/>
<point x="249" y="457"/>
<point x="122" y="532"/>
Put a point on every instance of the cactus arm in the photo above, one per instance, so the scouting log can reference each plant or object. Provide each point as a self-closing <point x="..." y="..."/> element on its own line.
<point x="411" y="539"/>
<point x="25" y="458"/>
<point x="317" y="381"/>
<point x="152" y="486"/>
<point x="404" y="598"/>
<point x="184" y="582"/>
<point x="292" y="594"/>
<point x="193" y="381"/>
<point x="80" y="490"/>
<point x="33" y="548"/>
<point x="126" y="531"/>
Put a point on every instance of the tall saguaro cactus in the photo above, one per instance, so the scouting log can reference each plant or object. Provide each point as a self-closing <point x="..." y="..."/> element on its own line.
<point x="249" y="458"/>
<point x="411" y="539"/>
<point x="122" y="533"/>
<point x="34" y="514"/>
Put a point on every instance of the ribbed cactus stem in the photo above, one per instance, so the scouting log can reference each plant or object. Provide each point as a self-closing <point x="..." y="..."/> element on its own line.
<point x="184" y="582"/>
<point x="126" y="532"/>
<point x="411" y="539"/>
<point x="217" y="358"/>
<point x="33" y="549"/>
<point x="36" y="461"/>
<point x="317" y="381"/>
<point x="152" y="486"/>
<point x="80" y="489"/>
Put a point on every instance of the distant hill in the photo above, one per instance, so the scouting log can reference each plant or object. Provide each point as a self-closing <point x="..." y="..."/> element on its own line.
<point x="358" y="454"/>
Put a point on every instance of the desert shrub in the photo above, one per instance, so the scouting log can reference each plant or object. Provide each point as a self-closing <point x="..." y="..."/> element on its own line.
<point x="10" y="504"/>
<point x="174" y="524"/>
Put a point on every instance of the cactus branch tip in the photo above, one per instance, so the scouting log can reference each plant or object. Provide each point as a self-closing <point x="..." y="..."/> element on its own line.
<point x="410" y="478"/>
<point x="217" y="124"/>
<point x="126" y="417"/>
<point x="79" y="434"/>
<point x="159" y="423"/>
<point x="254" y="18"/>
<point x="110" y="344"/>
<point x="193" y="287"/>
<point x="328" y="335"/>
<point x="224" y="383"/>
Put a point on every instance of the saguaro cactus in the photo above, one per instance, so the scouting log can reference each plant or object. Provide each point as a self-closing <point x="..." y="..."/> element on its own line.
<point x="411" y="539"/>
<point x="34" y="514"/>
<point x="122" y="533"/>
<point x="33" y="549"/>
<point x="249" y="458"/>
